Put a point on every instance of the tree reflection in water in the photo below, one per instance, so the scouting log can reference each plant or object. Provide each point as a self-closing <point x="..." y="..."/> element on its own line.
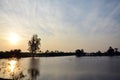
<point x="34" y="68"/>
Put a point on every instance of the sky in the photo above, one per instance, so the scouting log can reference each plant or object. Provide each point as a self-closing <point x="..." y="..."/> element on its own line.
<point x="64" y="25"/>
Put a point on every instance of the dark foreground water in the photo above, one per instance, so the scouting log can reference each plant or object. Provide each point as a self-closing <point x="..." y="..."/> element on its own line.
<point x="63" y="68"/>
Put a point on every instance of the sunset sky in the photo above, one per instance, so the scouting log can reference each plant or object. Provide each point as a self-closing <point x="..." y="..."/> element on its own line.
<point x="64" y="25"/>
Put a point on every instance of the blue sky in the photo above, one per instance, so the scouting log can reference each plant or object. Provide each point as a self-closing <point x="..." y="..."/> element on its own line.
<point x="63" y="25"/>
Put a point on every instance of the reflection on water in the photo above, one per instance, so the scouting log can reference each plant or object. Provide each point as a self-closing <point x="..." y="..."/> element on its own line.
<point x="10" y="68"/>
<point x="13" y="68"/>
<point x="12" y="65"/>
<point x="34" y="68"/>
<point x="61" y="68"/>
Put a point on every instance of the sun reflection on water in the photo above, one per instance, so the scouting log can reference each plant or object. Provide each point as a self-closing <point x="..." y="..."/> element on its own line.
<point x="12" y="65"/>
<point x="12" y="68"/>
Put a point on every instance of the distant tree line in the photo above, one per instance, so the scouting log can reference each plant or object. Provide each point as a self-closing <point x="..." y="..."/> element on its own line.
<point x="11" y="53"/>
<point x="109" y="52"/>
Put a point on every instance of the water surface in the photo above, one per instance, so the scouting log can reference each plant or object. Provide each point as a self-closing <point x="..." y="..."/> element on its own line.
<point x="69" y="68"/>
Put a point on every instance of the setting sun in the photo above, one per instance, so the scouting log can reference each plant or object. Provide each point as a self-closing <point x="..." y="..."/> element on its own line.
<point x="13" y="38"/>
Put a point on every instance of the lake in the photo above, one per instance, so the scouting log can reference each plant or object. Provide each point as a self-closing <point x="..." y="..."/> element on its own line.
<point x="62" y="68"/>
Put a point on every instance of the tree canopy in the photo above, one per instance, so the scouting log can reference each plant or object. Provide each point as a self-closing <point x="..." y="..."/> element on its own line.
<point x="34" y="44"/>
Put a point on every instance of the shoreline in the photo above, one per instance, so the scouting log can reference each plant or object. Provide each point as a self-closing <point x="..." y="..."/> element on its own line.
<point x="25" y="55"/>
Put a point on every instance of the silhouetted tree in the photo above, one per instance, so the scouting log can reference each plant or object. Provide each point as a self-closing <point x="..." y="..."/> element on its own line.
<point x="15" y="53"/>
<point x="99" y="53"/>
<point x="110" y="51"/>
<point x="34" y="44"/>
<point x="82" y="50"/>
<point x="79" y="52"/>
<point x="47" y="51"/>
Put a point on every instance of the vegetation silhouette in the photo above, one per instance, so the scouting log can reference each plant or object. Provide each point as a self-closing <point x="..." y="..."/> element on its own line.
<point x="34" y="44"/>
<point x="78" y="53"/>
